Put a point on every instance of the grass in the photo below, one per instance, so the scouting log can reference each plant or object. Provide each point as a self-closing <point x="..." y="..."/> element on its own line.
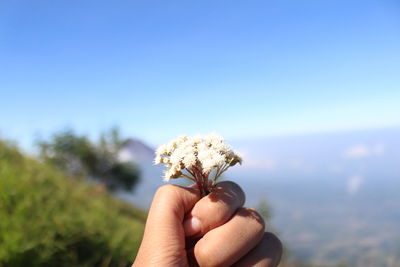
<point x="48" y="219"/>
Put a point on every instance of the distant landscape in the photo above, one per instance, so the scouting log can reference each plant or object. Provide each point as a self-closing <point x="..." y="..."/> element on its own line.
<point x="334" y="196"/>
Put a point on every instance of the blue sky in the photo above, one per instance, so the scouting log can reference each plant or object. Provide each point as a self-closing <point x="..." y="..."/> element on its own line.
<point x="162" y="68"/>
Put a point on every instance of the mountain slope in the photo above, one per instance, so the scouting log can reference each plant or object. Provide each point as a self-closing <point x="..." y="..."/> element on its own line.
<point x="48" y="219"/>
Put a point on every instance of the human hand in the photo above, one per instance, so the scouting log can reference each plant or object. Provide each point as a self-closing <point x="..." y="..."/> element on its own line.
<point x="184" y="230"/>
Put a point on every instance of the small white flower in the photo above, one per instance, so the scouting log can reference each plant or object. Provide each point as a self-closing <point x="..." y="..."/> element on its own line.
<point x="207" y="165"/>
<point x="161" y="150"/>
<point x="189" y="161"/>
<point x="203" y="157"/>
<point x="176" y="158"/>
<point x="158" y="159"/>
<point x="181" y="139"/>
<point x="219" y="159"/>
<point x="214" y="139"/>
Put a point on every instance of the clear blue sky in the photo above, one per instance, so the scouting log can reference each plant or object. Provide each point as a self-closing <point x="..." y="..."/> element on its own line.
<point x="161" y="68"/>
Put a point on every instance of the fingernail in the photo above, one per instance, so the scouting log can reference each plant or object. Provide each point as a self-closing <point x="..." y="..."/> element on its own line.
<point x="192" y="226"/>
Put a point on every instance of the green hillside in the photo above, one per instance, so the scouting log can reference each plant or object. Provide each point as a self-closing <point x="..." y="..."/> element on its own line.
<point x="47" y="219"/>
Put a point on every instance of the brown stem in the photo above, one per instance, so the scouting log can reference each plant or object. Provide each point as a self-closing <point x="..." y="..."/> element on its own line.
<point x="198" y="181"/>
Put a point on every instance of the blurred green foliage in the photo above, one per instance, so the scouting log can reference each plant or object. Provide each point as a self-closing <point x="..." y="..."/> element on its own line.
<point x="49" y="220"/>
<point x="264" y="209"/>
<point x="78" y="156"/>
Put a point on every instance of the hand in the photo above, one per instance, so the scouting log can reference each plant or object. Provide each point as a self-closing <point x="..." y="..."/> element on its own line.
<point x="184" y="230"/>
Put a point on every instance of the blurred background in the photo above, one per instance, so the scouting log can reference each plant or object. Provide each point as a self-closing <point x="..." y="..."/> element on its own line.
<point x="308" y="91"/>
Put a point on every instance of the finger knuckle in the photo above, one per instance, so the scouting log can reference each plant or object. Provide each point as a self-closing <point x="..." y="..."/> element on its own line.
<point x="165" y="190"/>
<point x="219" y="210"/>
<point x="205" y="256"/>
<point x="255" y="220"/>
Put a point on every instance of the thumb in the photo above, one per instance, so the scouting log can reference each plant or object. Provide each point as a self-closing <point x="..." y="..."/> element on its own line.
<point x="164" y="234"/>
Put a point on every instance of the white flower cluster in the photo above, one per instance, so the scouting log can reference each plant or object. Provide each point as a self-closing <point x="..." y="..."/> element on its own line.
<point x="196" y="157"/>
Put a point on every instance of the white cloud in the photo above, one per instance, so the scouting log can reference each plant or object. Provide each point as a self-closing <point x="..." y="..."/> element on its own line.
<point x="354" y="183"/>
<point x="364" y="151"/>
<point x="357" y="152"/>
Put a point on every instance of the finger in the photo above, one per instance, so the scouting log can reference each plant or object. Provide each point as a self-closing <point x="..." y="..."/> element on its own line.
<point x="164" y="221"/>
<point x="267" y="253"/>
<point x="227" y="243"/>
<point x="214" y="209"/>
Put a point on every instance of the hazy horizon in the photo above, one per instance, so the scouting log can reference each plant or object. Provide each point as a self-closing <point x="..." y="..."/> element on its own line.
<point x="163" y="69"/>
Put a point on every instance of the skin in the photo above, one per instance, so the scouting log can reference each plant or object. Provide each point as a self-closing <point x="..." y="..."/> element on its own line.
<point x="216" y="230"/>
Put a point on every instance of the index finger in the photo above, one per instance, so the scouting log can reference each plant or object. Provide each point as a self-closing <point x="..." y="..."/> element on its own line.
<point x="214" y="209"/>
